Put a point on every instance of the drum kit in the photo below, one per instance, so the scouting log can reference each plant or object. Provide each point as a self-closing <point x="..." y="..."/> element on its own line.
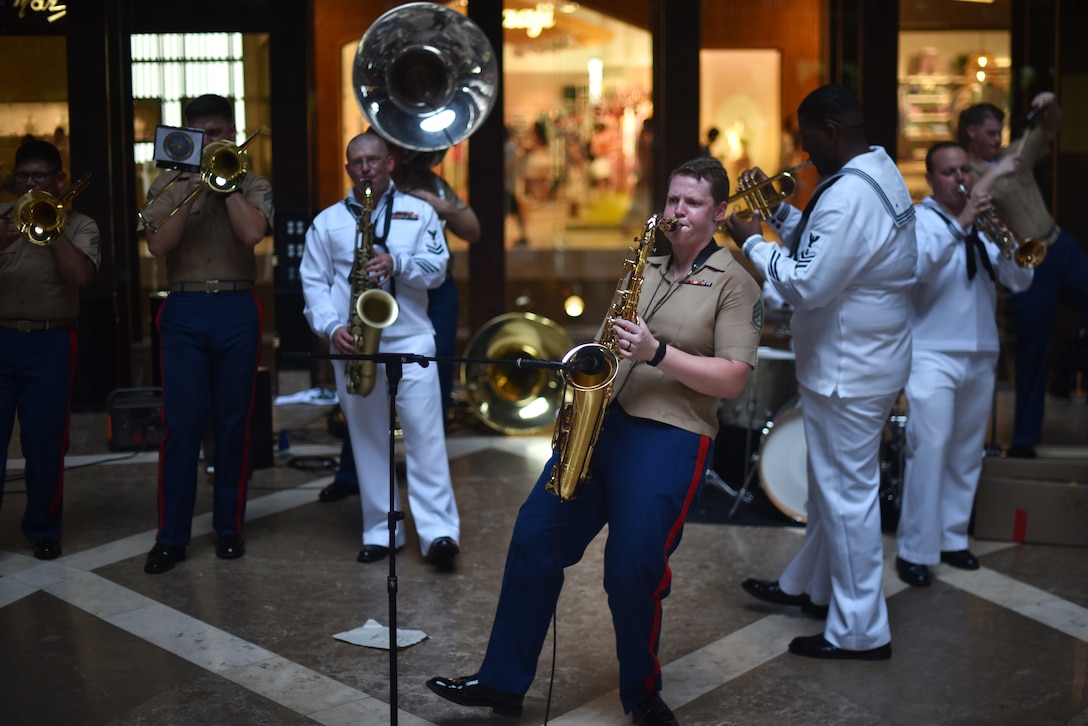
<point x="763" y="426"/>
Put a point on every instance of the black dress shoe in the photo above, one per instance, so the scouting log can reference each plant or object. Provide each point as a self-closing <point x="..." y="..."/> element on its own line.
<point x="162" y="558"/>
<point x="913" y="574"/>
<point x="230" y="547"/>
<point x="337" y="490"/>
<point x="1020" y="452"/>
<point x="963" y="559"/>
<point x="816" y="646"/>
<point x="47" y="548"/>
<point x="441" y="552"/>
<point x="373" y="553"/>
<point x="468" y="691"/>
<point x="652" y="711"/>
<point x="768" y="591"/>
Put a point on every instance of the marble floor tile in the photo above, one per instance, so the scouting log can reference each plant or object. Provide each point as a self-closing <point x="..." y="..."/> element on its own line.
<point x="91" y="639"/>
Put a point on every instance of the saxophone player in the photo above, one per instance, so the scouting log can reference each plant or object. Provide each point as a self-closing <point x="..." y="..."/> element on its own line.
<point x="693" y="342"/>
<point x="409" y="258"/>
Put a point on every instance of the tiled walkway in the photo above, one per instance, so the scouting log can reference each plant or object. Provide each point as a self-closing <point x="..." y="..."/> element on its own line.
<point x="91" y="639"/>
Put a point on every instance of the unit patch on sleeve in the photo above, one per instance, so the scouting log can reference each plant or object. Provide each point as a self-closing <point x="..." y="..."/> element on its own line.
<point x="757" y="314"/>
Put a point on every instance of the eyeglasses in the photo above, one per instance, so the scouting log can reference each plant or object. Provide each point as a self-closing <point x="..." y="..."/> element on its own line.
<point x="368" y="160"/>
<point x="21" y="177"/>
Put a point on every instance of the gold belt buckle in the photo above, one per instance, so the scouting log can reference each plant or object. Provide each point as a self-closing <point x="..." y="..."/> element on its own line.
<point x="211" y="286"/>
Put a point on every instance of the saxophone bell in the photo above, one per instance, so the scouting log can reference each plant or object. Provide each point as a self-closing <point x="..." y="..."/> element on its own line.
<point x="590" y="366"/>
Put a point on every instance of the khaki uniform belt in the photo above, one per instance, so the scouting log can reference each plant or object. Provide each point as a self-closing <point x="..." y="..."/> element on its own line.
<point x="25" y="326"/>
<point x="210" y="286"/>
<point x="1052" y="236"/>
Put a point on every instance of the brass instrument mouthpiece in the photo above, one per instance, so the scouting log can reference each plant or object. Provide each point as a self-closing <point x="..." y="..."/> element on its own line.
<point x="668" y="224"/>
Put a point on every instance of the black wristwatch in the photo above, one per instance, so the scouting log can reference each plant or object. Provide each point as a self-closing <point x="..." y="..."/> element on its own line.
<point x="659" y="356"/>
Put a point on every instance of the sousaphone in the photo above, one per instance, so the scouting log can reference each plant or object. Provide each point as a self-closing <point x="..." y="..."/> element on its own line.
<point x="425" y="76"/>
<point x="506" y="398"/>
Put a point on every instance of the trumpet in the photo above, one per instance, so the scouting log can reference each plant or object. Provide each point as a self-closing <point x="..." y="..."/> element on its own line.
<point x="41" y="217"/>
<point x="223" y="166"/>
<point x="1027" y="253"/>
<point x="764" y="196"/>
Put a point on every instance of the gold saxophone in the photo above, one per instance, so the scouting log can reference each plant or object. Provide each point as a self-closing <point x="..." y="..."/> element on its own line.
<point x="590" y="370"/>
<point x="371" y="307"/>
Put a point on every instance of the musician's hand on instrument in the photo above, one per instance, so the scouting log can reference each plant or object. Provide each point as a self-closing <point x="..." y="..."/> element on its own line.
<point x="751" y="177"/>
<point x="975" y="206"/>
<point x="342" y="342"/>
<point x="741" y="229"/>
<point x="380" y="266"/>
<point x="633" y="339"/>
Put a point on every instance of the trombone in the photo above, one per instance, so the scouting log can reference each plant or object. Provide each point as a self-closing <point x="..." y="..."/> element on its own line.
<point x="764" y="196"/>
<point x="223" y="166"/>
<point x="41" y="217"/>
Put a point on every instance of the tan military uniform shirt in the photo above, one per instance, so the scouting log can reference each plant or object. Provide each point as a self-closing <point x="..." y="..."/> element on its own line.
<point x="716" y="310"/>
<point x="208" y="249"/>
<point x="1017" y="198"/>
<point x="30" y="286"/>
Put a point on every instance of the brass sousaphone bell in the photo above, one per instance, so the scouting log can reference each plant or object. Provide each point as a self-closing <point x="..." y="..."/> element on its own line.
<point x="505" y="397"/>
<point x="425" y="76"/>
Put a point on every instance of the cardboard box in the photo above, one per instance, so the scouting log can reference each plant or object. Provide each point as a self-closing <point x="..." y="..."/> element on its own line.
<point x="1042" y="501"/>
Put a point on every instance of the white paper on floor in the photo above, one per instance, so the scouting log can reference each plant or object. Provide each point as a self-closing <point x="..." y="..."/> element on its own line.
<point x="375" y="635"/>
<point x="314" y="396"/>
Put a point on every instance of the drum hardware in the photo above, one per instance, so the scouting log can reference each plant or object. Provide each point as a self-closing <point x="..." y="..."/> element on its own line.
<point x="782" y="464"/>
<point x="893" y="462"/>
<point x="771" y="384"/>
<point x="714" y="480"/>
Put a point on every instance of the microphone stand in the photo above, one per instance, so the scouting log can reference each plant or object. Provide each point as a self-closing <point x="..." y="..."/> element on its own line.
<point x="394" y="371"/>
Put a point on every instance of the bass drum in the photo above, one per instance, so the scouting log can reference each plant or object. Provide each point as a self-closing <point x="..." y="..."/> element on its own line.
<point x="783" y="468"/>
<point x="783" y="459"/>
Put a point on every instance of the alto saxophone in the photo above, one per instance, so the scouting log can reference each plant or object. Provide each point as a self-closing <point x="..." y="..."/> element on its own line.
<point x="590" y="369"/>
<point x="371" y="307"/>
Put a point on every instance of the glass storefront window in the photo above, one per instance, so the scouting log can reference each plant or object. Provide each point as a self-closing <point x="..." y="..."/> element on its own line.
<point x="940" y="74"/>
<point x="170" y="69"/>
<point x="35" y="104"/>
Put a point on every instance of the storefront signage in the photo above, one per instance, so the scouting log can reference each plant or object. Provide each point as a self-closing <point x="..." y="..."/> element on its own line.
<point x="531" y="20"/>
<point x="53" y="10"/>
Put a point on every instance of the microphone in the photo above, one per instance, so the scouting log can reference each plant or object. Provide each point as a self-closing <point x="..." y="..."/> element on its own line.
<point x="553" y="365"/>
<point x="590" y="363"/>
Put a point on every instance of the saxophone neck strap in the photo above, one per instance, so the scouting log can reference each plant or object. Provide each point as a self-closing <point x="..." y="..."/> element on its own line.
<point x="356" y="210"/>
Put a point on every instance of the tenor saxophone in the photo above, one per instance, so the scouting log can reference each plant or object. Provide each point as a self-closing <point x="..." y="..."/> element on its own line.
<point x="590" y="370"/>
<point x="372" y="308"/>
